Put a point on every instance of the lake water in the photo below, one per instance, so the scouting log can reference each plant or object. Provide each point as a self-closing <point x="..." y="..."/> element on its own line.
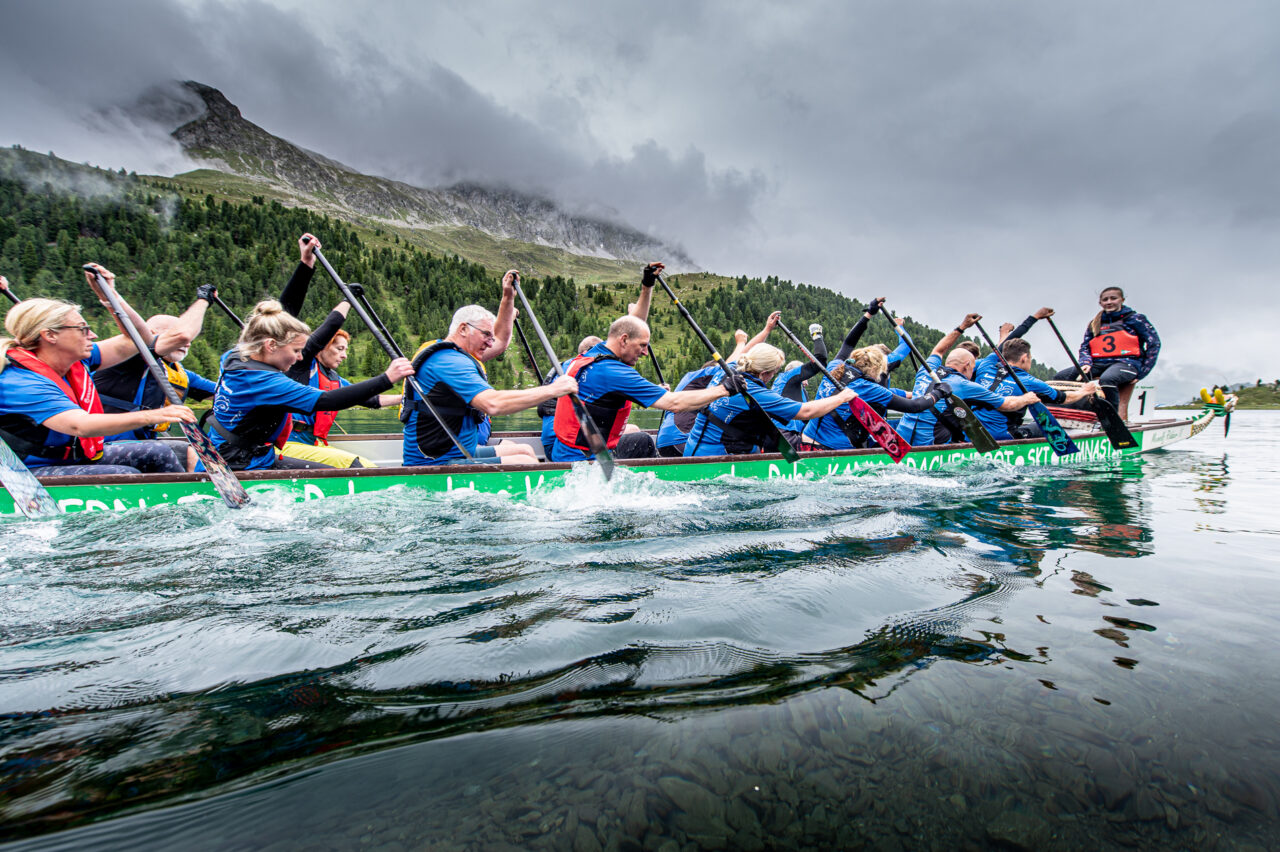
<point x="987" y="657"/>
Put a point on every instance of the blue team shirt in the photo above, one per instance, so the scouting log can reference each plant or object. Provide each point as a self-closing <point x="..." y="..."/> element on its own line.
<point x="781" y="382"/>
<point x="919" y="428"/>
<point x="462" y="373"/>
<point x="825" y="430"/>
<point x="241" y="391"/>
<point x="607" y="378"/>
<point x="705" y="437"/>
<point x="669" y="434"/>
<point x="195" y="381"/>
<point x="32" y="395"/>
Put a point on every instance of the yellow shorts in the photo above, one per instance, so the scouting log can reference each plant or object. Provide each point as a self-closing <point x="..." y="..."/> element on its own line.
<point x="324" y="455"/>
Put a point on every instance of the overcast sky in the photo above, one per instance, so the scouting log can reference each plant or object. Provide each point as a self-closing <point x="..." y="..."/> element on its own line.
<point x="989" y="156"/>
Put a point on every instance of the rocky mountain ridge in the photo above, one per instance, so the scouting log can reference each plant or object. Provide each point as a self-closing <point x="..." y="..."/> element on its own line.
<point x="215" y="133"/>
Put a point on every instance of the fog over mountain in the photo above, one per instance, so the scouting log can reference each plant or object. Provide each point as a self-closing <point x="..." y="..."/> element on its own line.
<point x="980" y="155"/>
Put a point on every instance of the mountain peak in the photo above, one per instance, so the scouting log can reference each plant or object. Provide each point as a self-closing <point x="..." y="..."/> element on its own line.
<point x="218" y="135"/>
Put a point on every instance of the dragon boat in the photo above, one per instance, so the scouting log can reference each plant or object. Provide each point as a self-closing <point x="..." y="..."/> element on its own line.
<point x="122" y="493"/>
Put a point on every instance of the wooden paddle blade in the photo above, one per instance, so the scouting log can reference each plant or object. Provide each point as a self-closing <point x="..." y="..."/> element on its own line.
<point x="31" y="498"/>
<point x="879" y="429"/>
<point x="1053" y="432"/>
<point x="973" y="428"/>
<point x="1117" y="433"/>
<point x="229" y="488"/>
<point x="596" y="441"/>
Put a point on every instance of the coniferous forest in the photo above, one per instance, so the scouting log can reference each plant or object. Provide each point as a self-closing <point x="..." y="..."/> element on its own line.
<point x="162" y="241"/>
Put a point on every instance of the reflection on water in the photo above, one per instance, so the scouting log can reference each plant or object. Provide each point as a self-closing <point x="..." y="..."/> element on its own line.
<point x="994" y="656"/>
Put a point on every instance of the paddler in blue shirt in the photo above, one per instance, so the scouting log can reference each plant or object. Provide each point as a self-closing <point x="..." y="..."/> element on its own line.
<point x="864" y="371"/>
<point x="451" y="372"/>
<point x="991" y="373"/>
<point x="608" y="384"/>
<point x="50" y="410"/>
<point x="255" y="399"/>
<point x="732" y="426"/>
<point x="925" y="427"/>
<point x="674" y="428"/>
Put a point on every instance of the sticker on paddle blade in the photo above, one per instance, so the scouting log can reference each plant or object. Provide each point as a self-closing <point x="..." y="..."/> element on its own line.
<point x="879" y="429"/>
<point x="1053" y="432"/>
<point x="229" y="488"/>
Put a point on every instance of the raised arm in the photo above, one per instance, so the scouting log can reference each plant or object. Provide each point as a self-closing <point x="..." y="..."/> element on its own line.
<point x="505" y="319"/>
<point x="949" y="339"/>
<point x="640" y="309"/>
<point x="116" y="349"/>
<point x="187" y="328"/>
<point x="295" y="292"/>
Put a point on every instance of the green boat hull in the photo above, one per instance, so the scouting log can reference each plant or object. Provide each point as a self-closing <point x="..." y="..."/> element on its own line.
<point x="120" y="494"/>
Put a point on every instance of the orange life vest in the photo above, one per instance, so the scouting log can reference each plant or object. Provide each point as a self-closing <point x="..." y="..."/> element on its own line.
<point x="1113" y="340"/>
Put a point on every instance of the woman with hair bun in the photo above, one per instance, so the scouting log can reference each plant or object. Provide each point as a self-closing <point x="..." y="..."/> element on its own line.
<point x="864" y="372"/>
<point x="1120" y="347"/>
<point x="731" y="426"/>
<point x="255" y="399"/>
<point x="50" y="411"/>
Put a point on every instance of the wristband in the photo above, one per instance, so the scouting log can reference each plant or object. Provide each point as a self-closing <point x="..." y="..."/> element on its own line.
<point x="959" y="330"/>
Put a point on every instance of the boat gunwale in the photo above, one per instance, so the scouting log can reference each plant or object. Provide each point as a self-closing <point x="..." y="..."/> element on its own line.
<point x="456" y="470"/>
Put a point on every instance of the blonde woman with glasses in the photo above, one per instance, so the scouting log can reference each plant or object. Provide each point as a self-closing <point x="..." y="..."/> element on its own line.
<point x="50" y="411"/>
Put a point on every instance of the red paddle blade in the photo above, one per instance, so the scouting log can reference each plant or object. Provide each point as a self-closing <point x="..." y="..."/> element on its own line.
<point x="879" y="429"/>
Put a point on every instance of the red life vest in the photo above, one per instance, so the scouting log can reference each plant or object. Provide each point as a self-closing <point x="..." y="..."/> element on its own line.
<point x="79" y="388"/>
<point x="610" y="420"/>
<point x="1113" y="340"/>
<point x="323" y="419"/>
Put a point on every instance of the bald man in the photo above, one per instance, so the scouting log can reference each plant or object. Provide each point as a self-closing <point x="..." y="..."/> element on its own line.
<point x="129" y="385"/>
<point x="957" y="371"/>
<point x="608" y="384"/>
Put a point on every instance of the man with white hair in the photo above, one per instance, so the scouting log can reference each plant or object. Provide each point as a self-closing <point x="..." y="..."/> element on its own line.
<point x="451" y="372"/>
<point x="926" y="427"/>
<point x="608" y="383"/>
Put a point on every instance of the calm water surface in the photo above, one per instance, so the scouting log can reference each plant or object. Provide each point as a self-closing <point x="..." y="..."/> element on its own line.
<point x="992" y="656"/>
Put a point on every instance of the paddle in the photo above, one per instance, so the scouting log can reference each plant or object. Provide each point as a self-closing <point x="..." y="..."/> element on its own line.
<point x="877" y="427"/>
<point x="31" y="498"/>
<point x="217" y="300"/>
<point x="1049" y="426"/>
<point x="528" y="353"/>
<point x="1110" y="420"/>
<point x="595" y="439"/>
<point x="959" y="409"/>
<point x="383" y="337"/>
<point x="228" y="487"/>
<point x="657" y="368"/>
<point x="784" y="446"/>
<point x="10" y="294"/>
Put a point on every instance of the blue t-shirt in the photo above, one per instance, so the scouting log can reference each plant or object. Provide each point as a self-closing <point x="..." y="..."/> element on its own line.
<point x="195" y="382"/>
<point x="32" y="395"/>
<point x="780" y="382"/>
<point x="669" y="433"/>
<point x="239" y="392"/>
<point x="706" y="436"/>
<point x="896" y="356"/>
<point x="462" y="374"/>
<point x="609" y="383"/>
<point x="825" y="430"/>
<point x="919" y="428"/>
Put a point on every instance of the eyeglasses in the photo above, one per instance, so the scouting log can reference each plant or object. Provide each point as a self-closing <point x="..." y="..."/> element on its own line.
<point x="488" y="335"/>
<point x="83" y="329"/>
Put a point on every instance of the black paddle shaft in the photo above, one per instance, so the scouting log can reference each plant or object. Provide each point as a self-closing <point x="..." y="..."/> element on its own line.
<point x="217" y="300"/>
<point x="1075" y="362"/>
<point x="657" y="369"/>
<point x="784" y="446"/>
<point x="1000" y="355"/>
<point x="528" y="352"/>
<point x="595" y="440"/>
<point x="11" y="296"/>
<point x="791" y="335"/>
<point x="378" y="330"/>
